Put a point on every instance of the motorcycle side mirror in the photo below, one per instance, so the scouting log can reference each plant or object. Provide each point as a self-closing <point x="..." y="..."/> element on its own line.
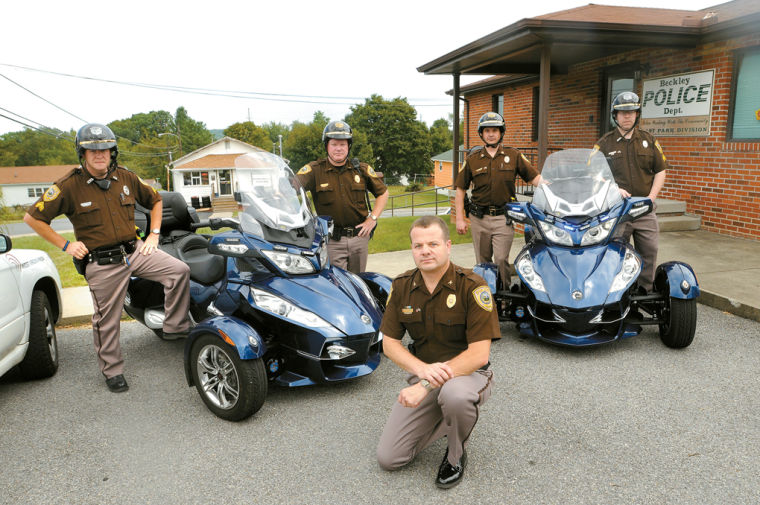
<point x="637" y="207"/>
<point x="216" y="223"/>
<point x="517" y="212"/>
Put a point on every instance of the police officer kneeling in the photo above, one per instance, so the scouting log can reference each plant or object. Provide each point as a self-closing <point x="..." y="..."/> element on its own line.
<point x="99" y="198"/>
<point x="448" y="312"/>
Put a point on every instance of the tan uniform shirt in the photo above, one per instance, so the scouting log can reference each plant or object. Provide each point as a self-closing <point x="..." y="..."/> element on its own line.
<point x="442" y="324"/>
<point x="340" y="192"/>
<point x="635" y="161"/>
<point x="100" y="217"/>
<point x="493" y="179"/>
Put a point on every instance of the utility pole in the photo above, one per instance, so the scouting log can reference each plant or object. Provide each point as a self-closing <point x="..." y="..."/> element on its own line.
<point x="280" y="137"/>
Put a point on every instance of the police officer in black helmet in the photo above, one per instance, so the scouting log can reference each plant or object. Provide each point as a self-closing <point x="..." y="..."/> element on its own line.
<point x="99" y="199"/>
<point x="639" y="167"/>
<point x="339" y="188"/>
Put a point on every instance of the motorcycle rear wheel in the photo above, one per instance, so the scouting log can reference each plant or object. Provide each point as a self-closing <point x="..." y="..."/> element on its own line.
<point x="682" y="316"/>
<point x="232" y="388"/>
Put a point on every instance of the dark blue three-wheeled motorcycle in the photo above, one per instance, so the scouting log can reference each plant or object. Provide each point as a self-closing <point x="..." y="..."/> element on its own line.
<point x="577" y="283"/>
<point x="266" y="305"/>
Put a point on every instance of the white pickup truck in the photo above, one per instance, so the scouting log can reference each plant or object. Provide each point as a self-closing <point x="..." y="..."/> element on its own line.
<point x="30" y="305"/>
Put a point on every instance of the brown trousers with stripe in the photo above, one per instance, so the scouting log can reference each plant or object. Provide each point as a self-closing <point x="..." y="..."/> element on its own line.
<point x="450" y="411"/>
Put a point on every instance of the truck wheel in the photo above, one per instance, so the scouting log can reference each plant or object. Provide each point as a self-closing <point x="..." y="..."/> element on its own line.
<point x="681" y="317"/>
<point x="231" y="388"/>
<point x="41" y="358"/>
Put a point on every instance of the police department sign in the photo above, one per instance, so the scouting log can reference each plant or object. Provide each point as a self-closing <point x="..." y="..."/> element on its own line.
<point x="678" y="105"/>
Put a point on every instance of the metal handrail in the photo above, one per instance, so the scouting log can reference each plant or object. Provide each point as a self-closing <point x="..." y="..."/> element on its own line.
<point x="392" y="199"/>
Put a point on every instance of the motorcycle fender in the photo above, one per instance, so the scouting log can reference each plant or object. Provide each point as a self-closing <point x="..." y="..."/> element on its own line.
<point x="379" y="285"/>
<point x="681" y="280"/>
<point x="232" y="330"/>
<point x="489" y="272"/>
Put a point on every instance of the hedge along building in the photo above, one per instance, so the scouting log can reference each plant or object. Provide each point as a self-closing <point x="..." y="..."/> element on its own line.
<point x="697" y="72"/>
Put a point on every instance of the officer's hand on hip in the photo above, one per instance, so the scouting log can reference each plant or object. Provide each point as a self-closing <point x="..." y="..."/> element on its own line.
<point x="366" y="227"/>
<point x="77" y="250"/>
<point x="149" y="245"/>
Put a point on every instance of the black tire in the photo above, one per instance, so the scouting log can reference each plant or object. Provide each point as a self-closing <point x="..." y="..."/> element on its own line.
<point x="41" y="358"/>
<point x="231" y="388"/>
<point x="682" y="317"/>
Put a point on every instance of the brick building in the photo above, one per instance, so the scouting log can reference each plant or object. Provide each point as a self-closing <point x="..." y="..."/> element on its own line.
<point x="697" y="72"/>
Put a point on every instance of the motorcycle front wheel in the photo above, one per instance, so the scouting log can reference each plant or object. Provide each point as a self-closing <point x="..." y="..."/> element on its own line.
<point x="232" y="388"/>
<point x="681" y="317"/>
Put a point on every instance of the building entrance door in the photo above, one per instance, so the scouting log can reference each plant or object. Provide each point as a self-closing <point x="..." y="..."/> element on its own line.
<point x="225" y="182"/>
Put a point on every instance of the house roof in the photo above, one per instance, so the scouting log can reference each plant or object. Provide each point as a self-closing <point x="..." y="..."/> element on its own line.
<point x="44" y="174"/>
<point x="211" y="161"/>
<point x="180" y="163"/>
<point x="447" y="155"/>
<point x="593" y="31"/>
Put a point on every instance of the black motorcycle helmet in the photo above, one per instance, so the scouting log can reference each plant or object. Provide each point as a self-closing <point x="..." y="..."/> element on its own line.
<point x="96" y="137"/>
<point x="491" y="120"/>
<point x="337" y="130"/>
<point x="627" y="100"/>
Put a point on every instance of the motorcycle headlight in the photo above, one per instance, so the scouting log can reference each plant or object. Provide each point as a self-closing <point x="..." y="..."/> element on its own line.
<point x="598" y="233"/>
<point x="628" y="272"/>
<point x="524" y="265"/>
<point x="290" y="263"/>
<point x="283" y="308"/>
<point x="555" y="234"/>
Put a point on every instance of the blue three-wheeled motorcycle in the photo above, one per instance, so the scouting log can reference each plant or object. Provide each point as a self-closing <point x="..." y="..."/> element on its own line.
<point x="577" y="283"/>
<point x="266" y="305"/>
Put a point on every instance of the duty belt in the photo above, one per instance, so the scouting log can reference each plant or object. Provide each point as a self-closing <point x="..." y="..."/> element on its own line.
<point x="344" y="231"/>
<point x="491" y="210"/>
<point x="113" y="254"/>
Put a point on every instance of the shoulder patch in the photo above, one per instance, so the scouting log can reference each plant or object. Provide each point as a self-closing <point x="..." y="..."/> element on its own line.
<point x="141" y="182"/>
<point x="657" y="145"/>
<point x="371" y="172"/>
<point x="390" y="293"/>
<point x="52" y="193"/>
<point x="524" y="158"/>
<point x="304" y="170"/>
<point x="483" y="298"/>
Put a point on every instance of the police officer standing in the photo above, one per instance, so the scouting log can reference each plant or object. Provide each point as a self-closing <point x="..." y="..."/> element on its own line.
<point x="99" y="198"/>
<point x="639" y="167"/>
<point x="339" y="189"/>
<point x="492" y="172"/>
<point x="448" y="312"/>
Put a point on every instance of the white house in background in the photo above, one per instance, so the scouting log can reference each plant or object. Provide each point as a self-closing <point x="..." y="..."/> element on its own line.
<point x="208" y="174"/>
<point x="24" y="185"/>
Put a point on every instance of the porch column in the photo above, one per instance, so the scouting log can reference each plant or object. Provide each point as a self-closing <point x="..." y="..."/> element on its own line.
<point x="543" y="103"/>
<point x="455" y="152"/>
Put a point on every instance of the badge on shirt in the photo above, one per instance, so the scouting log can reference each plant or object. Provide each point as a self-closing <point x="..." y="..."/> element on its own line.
<point x="52" y="193"/>
<point x="645" y="144"/>
<point x="506" y="159"/>
<point x="304" y="169"/>
<point x="451" y="300"/>
<point x="356" y="179"/>
<point x="483" y="298"/>
<point x="125" y="189"/>
<point x="407" y="310"/>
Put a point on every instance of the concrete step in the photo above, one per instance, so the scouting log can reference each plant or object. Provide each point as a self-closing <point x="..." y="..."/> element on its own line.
<point x="683" y="222"/>
<point x="666" y="207"/>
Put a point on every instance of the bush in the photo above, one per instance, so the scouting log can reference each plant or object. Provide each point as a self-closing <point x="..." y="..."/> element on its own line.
<point x="414" y="187"/>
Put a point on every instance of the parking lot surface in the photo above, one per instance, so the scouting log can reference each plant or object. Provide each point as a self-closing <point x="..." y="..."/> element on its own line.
<point x="631" y="422"/>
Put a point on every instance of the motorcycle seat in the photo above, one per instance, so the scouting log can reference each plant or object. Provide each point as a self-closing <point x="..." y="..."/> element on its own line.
<point x="205" y="268"/>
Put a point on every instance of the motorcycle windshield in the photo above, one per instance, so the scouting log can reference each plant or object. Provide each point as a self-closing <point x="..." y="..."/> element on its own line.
<point x="577" y="183"/>
<point x="270" y="194"/>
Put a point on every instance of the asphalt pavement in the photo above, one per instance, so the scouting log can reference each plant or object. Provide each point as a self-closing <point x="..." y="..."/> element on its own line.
<point x="633" y="422"/>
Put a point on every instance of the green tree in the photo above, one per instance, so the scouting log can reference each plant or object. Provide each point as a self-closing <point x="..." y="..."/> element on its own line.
<point x="400" y="143"/>
<point x="441" y="136"/>
<point x="32" y="148"/>
<point x="304" y="142"/>
<point x="249" y="133"/>
<point x="274" y="130"/>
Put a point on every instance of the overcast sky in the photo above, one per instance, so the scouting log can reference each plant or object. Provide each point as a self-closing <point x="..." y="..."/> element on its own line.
<point x="323" y="52"/>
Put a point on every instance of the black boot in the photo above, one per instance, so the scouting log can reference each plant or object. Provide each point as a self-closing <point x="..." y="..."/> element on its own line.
<point x="450" y="475"/>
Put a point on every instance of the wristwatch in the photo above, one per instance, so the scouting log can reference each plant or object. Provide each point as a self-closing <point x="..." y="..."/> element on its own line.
<point x="426" y="384"/>
<point x="157" y="231"/>
<point x="373" y="217"/>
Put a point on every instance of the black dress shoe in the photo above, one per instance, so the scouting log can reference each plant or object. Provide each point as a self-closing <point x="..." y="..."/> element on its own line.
<point x="117" y="384"/>
<point x="450" y="475"/>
